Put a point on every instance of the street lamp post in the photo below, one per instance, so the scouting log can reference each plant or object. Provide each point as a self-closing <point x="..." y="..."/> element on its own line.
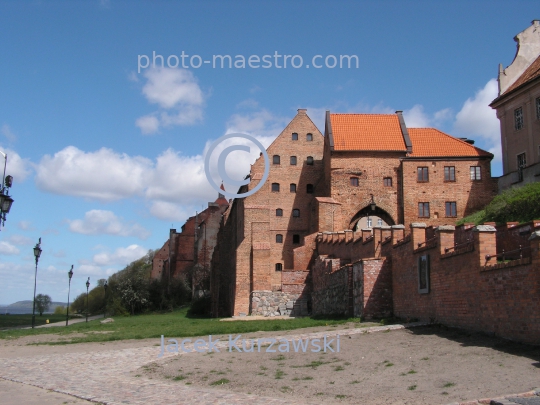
<point x="5" y="199"/>
<point x="87" y="287"/>
<point x="37" y="253"/>
<point x="70" y="274"/>
<point x="105" y="286"/>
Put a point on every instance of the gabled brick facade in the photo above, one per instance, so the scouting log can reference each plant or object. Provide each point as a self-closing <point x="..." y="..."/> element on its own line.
<point x="264" y="260"/>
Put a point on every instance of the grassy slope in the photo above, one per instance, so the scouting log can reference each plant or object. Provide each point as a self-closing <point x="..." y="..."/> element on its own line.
<point x="520" y="204"/>
<point x="174" y="324"/>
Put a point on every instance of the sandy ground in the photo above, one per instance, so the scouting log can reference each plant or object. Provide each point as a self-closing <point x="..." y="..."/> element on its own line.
<point x="426" y="365"/>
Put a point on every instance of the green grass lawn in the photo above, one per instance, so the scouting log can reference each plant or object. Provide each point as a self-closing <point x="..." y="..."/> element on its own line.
<point x="175" y="324"/>
<point x="13" y="321"/>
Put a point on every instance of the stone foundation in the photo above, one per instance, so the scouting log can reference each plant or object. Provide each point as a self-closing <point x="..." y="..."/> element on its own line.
<point x="277" y="303"/>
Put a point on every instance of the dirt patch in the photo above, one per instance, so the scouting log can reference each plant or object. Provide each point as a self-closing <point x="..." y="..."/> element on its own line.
<point x="424" y="365"/>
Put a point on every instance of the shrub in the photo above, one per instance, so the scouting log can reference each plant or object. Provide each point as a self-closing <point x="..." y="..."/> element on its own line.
<point x="200" y="308"/>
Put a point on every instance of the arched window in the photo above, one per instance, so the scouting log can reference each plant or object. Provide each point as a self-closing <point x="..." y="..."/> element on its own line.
<point x="296" y="239"/>
<point x="309" y="189"/>
<point x="279" y="212"/>
<point x="309" y="160"/>
<point x="279" y="267"/>
<point x="309" y="137"/>
<point x="293" y="188"/>
<point x="275" y="187"/>
<point x="276" y="160"/>
<point x="279" y="238"/>
<point x="294" y="136"/>
<point x="296" y="213"/>
<point x="293" y="160"/>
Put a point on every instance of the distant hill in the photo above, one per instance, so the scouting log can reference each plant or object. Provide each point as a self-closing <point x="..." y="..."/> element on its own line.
<point x="25" y="307"/>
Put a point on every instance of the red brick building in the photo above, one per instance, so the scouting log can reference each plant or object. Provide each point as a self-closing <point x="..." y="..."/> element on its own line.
<point x="364" y="165"/>
<point x="188" y="253"/>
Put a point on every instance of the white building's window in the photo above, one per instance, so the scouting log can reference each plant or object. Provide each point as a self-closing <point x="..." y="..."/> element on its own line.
<point x="369" y="222"/>
<point x="518" y="118"/>
<point x="379" y="222"/>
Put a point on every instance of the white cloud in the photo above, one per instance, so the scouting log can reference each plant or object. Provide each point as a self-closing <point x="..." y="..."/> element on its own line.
<point x="25" y="225"/>
<point x="171" y="212"/>
<point x="416" y="117"/>
<point x="103" y="175"/>
<point x="148" y="124"/>
<point x="99" y="222"/>
<point x="7" y="248"/>
<point x="177" y="93"/>
<point x="17" y="167"/>
<point x="121" y="256"/>
<point x="178" y="179"/>
<point x="89" y="270"/>
<point x="20" y="240"/>
<point x="261" y="124"/>
<point x="476" y="117"/>
<point x="8" y="133"/>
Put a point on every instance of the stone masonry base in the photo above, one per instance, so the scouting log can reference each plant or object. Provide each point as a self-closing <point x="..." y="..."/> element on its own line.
<point x="276" y="303"/>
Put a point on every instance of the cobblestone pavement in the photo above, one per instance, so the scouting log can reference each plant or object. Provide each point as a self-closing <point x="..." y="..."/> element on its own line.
<point x="106" y="376"/>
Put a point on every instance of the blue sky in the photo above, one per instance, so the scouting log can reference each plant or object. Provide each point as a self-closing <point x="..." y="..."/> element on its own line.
<point x="105" y="159"/>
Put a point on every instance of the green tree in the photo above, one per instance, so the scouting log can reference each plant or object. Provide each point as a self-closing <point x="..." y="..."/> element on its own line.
<point x="43" y="302"/>
<point x="60" y="310"/>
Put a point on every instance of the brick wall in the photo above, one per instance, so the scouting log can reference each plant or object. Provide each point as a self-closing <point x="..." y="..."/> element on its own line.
<point x="468" y="291"/>
<point x="469" y="195"/>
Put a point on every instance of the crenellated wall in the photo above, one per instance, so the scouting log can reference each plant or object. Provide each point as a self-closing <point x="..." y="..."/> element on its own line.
<point x="466" y="281"/>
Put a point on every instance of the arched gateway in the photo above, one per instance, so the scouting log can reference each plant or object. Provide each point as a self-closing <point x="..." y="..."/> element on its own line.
<point x="367" y="212"/>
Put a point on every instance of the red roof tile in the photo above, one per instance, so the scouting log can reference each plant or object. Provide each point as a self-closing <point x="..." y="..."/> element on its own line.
<point x="531" y="73"/>
<point x="367" y="132"/>
<point x="432" y="142"/>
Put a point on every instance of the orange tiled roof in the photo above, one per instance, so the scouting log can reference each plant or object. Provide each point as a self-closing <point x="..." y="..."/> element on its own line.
<point x="367" y="132"/>
<point x="531" y="73"/>
<point x="432" y="142"/>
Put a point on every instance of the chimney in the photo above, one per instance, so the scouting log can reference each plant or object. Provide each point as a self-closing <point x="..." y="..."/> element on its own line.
<point x="302" y="111"/>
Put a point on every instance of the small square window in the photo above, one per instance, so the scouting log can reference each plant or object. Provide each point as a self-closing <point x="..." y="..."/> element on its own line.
<point x="423" y="274"/>
<point x="279" y="266"/>
<point x="279" y="212"/>
<point x="293" y="160"/>
<point x="451" y="210"/>
<point x="423" y="174"/>
<point x="449" y="173"/>
<point x="276" y="159"/>
<point x="275" y="187"/>
<point x="296" y="239"/>
<point x="279" y="238"/>
<point x="354" y="181"/>
<point x="296" y="213"/>
<point x="518" y="119"/>
<point x="476" y="173"/>
<point x="379" y="222"/>
<point x="309" y="189"/>
<point x="294" y="136"/>
<point x="293" y="188"/>
<point x="309" y="160"/>
<point x="387" y="181"/>
<point x="423" y="210"/>
<point x="309" y="137"/>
